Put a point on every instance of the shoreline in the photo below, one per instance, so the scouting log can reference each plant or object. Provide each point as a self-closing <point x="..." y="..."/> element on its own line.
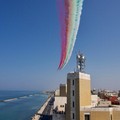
<point x="41" y="110"/>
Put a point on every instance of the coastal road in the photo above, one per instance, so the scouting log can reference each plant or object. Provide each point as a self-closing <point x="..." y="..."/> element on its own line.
<point x="47" y="113"/>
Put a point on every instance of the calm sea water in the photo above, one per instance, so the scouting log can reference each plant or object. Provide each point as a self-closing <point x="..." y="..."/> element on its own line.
<point x="20" y="105"/>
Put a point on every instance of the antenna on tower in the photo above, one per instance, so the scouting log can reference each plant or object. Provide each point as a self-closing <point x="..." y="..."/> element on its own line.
<point x="80" y="59"/>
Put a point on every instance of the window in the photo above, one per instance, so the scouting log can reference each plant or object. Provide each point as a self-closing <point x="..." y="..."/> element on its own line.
<point x="73" y="82"/>
<point x="87" y="117"/>
<point x="111" y="117"/>
<point x="73" y="104"/>
<point x="61" y="105"/>
<point x="73" y="116"/>
<point x="73" y="92"/>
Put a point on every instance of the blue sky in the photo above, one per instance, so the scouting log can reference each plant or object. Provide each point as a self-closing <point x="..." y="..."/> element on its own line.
<point x="30" y="44"/>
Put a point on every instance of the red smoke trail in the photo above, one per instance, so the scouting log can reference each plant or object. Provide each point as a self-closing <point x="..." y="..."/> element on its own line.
<point x="63" y="26"/>
<point x="64" y="21"/>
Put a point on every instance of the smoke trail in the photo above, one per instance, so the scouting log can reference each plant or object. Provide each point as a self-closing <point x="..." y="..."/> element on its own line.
<point x="62" y="25"/>
<point x="70" y="12"/>
<point x="78" y="10"/>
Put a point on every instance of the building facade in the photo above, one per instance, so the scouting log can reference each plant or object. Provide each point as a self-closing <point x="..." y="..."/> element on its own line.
<point x="63" y="90"/>
<point x="78" y="94"/>
<point x="79" y="104"/>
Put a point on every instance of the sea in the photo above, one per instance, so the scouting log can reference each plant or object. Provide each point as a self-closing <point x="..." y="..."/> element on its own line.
<point x="20" y="105"/>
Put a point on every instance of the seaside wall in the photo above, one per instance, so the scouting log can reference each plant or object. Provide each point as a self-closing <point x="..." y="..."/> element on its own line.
<point x="40" y="111"/>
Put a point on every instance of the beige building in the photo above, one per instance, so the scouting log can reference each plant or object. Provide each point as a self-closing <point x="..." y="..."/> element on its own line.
<point x="63" y="90"/>
<point x="57" y="92"/>
<point x="100" y="113"/>
<point x="78" y="94"/>
<point x="94" y="100"/>
<point x="59" y="108"/>
<point x="79" y="104"/>
<point x="59" y="103"/>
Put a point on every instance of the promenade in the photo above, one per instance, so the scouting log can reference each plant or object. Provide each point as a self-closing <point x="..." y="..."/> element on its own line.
<point x="45" y="112"/>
